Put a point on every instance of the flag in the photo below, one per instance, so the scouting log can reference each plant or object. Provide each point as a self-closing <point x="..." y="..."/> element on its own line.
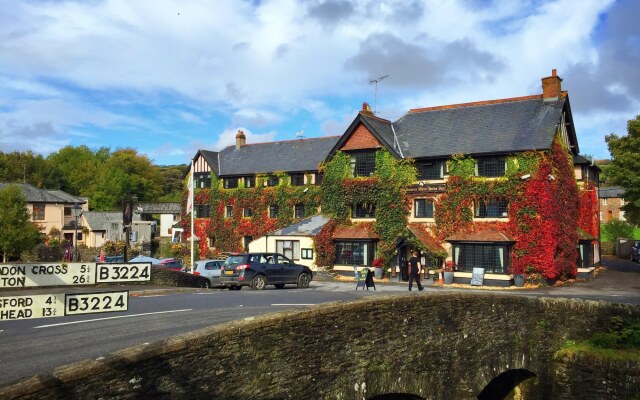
<point x="190" y="187"/>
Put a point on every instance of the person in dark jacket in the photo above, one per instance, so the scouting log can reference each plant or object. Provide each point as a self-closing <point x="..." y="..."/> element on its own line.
<point x="415" y="268"/>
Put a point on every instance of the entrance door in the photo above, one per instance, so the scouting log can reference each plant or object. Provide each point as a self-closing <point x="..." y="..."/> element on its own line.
<point x="402" y="263"/>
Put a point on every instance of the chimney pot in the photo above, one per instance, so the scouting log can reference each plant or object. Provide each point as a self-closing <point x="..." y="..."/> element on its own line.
<point x="366" y="108"/>
<point x="241" y="139"/>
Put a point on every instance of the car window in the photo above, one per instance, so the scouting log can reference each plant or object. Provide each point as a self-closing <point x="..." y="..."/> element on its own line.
<point x="210" y="266"/>
<point x="233" y="260"/>
<point x="282" y="259"/>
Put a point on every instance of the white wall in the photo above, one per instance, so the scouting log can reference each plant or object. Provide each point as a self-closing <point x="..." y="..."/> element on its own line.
<point x="268" y="244"/>
<point x="166" y="222"/>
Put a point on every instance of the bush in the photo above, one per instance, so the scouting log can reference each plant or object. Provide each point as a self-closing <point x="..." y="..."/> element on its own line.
<point x="615" y="229"/>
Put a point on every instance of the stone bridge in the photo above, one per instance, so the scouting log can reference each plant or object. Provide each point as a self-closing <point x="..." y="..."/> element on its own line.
<point x="443" y="346"/>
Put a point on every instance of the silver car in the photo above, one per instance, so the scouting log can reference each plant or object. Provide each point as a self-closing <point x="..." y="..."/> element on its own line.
<point x="209" y="269"/>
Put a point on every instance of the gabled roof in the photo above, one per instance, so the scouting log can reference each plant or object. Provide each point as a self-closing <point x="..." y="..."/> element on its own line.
<point x="430" y="244"/>
<point x="498" y="126"/>
<point x="36" y="195"/>
<point x="305" y="227"/>
<point x="381" y="129"/>
<point x="286" y="156"/>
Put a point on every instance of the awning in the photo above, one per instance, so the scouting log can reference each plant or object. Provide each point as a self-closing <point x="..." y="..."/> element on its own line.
<point x="430" y="244"/>
<point x="485" y="235"/>
<point x="355" y="231"/>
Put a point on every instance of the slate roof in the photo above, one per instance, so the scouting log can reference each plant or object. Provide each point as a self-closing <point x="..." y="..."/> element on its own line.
<point x="611" y="192"/>
<point x="160" y="208"/>
<point x="100" y="220"/>
<point x="286" y="156"/>
<point x="500" y="126"/>
<point x="36" y="195"/>
<point x="305" y="227"/>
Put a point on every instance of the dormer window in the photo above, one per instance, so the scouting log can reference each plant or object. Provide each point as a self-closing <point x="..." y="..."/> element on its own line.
<point x="273" y="180"/>
<point x="249" y="181"/>
<point x="363" y="163"/>
<point x="491" y="166"/>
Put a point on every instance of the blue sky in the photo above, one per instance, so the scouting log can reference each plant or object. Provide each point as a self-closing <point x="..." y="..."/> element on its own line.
<point x="171" y="77"/>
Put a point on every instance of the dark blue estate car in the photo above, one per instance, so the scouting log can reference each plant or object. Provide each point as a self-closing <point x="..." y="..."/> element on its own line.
<point x="258" y="270"/>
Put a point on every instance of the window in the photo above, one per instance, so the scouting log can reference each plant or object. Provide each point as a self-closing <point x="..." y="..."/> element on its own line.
<point x="604" y="202"/>
<point x="289" y="248"/>
<point x="67" y="212"/>
<point x="585" y="256"/>
<point x="38" y="212"/>
<point x="230" y="183"/>
<point x="203" y="211"/>
<point x="245" y="241"/>
<point x="273" y="211"/>
<point x="354" y="253"/>
<point x="298" y="211"/>
<point x="491" y="209"/>
<point x="494" y="258"/>
<point x="307" y="254"/>
<point x="249" y="181"/>
<point x="297" y="179"/>
<point x="622" y="202"/>
<point x="318" y="178"/>
<point x="247" y="212"/>
<point x="229" y="211"/>
<point x="79" y="236"/>
<point x="202" y="179"/>
<point x="423" y="208"/>
<point x="362" y="210"/>
<point x="273" y="181"/>
<point x="490" y="166"/>
<point x="431" y="170"/>
<point x="363" y="164"/>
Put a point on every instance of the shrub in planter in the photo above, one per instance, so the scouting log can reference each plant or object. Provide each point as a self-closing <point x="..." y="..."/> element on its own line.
<point x="449" y="267"/>
<point x="377" y="263"/>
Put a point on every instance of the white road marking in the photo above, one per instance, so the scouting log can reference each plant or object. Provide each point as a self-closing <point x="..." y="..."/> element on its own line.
<point x="287" y="305"/>
<point x="153" y="295"/>
<point x="107" y="318"/>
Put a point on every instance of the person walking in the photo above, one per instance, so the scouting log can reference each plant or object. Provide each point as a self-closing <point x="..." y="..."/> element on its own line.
<point x="415" y="268"/>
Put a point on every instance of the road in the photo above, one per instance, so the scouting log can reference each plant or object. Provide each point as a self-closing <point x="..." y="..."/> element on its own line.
<point x="29" y="347"/>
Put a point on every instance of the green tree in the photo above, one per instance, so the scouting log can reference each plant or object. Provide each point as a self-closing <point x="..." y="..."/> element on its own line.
<point x="617" y="229"/>
<point x="17" y="232"/>
<point x="173" y="183"/>
<point x="624" y="170"/>
<point x="126" y="172"/>
<point x="30" y="168"/>
<point x="77" y="168"/>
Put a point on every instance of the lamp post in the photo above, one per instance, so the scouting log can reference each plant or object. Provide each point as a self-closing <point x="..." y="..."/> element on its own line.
<point x="76" y="210"/>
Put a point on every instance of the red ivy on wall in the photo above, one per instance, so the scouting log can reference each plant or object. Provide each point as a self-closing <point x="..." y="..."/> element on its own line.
<point x="588" y="215"/>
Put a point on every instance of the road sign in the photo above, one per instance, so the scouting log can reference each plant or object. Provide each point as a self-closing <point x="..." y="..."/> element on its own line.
<point x="125" y="272"/>
<point x="47" y="274"/>
<point x="59" y="305"/>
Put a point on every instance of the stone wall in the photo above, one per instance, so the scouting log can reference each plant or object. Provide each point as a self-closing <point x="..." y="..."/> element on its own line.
<point x="444" y="346"/>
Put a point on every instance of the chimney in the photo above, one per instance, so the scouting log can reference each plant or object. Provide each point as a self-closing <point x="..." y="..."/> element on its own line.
<point x="366" y="109"/>
<point x="551" y="86"/>
<point x="241" y="139"/>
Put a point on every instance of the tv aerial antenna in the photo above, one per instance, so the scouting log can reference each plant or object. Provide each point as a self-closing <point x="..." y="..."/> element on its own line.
<point x="300" y="135"/>
<point x="375" y="95"/>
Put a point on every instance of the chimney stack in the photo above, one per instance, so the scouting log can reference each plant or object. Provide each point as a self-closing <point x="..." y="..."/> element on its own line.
<point x="241" y="139"/>
<point x="366" y="109"/>
<point x="551" y="86"/>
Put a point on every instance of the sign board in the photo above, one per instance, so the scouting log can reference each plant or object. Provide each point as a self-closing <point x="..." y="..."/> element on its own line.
<point x="59" y="305"/>
<point x="47" y="274"/>
<point x="365" y="280"/>
<point x="128" y="272"/>
<point x="71" y="274"/>
<point x="477" y="277"/>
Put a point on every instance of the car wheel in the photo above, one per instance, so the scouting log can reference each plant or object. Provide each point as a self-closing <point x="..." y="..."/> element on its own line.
<point x="206" y="284"/>
<point x="258" y="282"/>
<point x="279" y="285"/>
<point x="303" y="280"/>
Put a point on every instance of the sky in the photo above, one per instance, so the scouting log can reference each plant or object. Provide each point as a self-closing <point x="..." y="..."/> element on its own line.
<point x="171" y="77"/>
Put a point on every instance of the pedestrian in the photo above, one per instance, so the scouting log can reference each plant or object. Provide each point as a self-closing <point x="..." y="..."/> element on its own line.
<point x="415" y="268"/>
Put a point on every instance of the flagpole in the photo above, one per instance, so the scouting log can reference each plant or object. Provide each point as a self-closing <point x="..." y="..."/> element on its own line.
<point x="192" y="212"/>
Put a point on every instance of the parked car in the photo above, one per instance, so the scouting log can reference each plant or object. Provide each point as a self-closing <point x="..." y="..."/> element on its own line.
<point x="635" y="251"/>
<point x="258" y="270"/>
<point x="111" y="259"/>
<point x="210" y="270"/>
<point x="171" y="263"/>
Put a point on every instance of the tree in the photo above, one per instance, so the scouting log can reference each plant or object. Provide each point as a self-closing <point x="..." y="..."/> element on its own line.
<point x="17" y="232"/>
<point x="173" y="183"/>
<point x="77" y="167"/>
<point x="624" y="170"/>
